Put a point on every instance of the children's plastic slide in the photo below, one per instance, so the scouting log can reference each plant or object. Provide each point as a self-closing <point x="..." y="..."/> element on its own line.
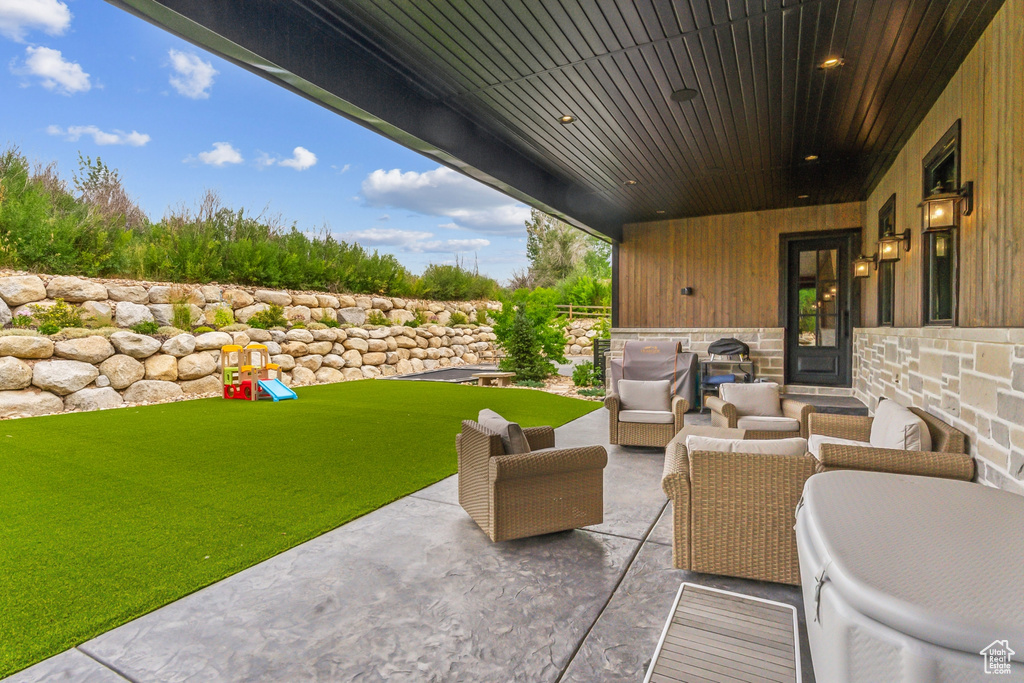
<point x="276" y="390"/>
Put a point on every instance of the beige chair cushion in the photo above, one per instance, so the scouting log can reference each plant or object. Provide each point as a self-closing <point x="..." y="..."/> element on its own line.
<point x="816" y="440"/>
<point x="794" y="446"/>
<point x="769" y="424"/>
<point x="513" y="440"/>
<point x="897" y="427"/>
<point x="654" y="417"/>
<point x="755" y="398"/>
<point x="645" y="395"/>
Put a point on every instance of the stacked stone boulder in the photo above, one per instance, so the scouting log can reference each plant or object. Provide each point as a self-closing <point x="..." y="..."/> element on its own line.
<point x="41" y="375"/>
<point x="580" y="336"/>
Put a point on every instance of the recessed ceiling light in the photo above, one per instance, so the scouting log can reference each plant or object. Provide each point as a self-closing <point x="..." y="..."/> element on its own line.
<point x="802" y="196"/>
<point x="684" y="95"/>
<point x="566" y="118"/>
<point x="811" y="157"/>
<point x="629" y="182"/>
<point x="660" y="211"/>
<point x="831" y="63"/>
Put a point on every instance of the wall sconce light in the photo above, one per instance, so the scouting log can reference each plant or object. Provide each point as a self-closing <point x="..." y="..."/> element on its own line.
<point x="942" y="211"/>
<point x="889" y="246"/>
<point x="862" y="265"/>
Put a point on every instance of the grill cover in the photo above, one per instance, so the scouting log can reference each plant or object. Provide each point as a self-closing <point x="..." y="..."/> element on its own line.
<point x="657" y="360"/>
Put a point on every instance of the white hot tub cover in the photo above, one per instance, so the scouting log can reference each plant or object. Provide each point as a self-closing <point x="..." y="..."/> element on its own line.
<point x="939" y="560"/>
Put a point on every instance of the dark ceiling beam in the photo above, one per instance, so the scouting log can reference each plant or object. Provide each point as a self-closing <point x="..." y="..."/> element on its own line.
<point x="281" y="43"/>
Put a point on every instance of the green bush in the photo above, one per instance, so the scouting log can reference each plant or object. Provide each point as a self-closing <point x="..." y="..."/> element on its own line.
<point x="298" y="325"/>
<point x="21" y="321"/>
<point x="454" y="282"/>
<point x="52" y="319"/>
<point x="145" y="327"/>
<point x="582" y="289"/>
<point x="481" y="317"/>
<point x="603" y="327"/>
<point x="534" y="384"/>
<point x="591" y="391"/>
<point x="375" y="317"/>
<point x="181" y="316"/>
<point x="223" y="317"/>
<point x="271" y="317"/>
<point x="584" y="374"/>
<point x="327" y="322"/>
<point x="419" y="320"/>
<point x="202" y="329"/>
<point x="458" y="318"/>
<point x="527" y="329"/>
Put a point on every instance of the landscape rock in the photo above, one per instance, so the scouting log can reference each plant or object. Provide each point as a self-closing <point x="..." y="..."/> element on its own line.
<point x="352" y="315"/>
<point x="161" y="294"/>
<point x="63" y="377"/>
<point x="204" y="385"/>
<point x="102" y="381"/>
<point x="211" y="293"/>
<point x="5" y="313"/>
<point x="268" y="296"/>
<point x="196" y="365"/>
<point x="298" y="313"/>
<point x="353" y="359"/>
<point x="122" y="371"/>
<point x="152" y="391"/>
<point x="128" y="314"/>
<point x="376" y="345"/>
<point x="258" y="335"/>
<point x="299" y="335"/>
<point x="294" y="348"/>
<point x="360" y="345"/>
<point x="88" y="349"/>
<point x="323" y="335"/>
<point x="329" y="375"/>
<point x="400" y="316"/>
<point x="29" y="403"/>
<point x="307" y="300"/>
<point x="181" y="345"/>
<point x="93" y="399"/>
<point x="370" y="371"/>
<point x="96" y="313"/>
<point x="162" y="367"/>
<point x="301" y="375"/>
<point x="75" y="289"/>
<point x="14" y="374"/>
<point x="322" y="348"/>
<point x="134" y="345"/>
<point x="240" y="339"/>
<point x="311" y="362"/>
<point x="357" y="333"/>
<point x="388" y="370"/>
<point x="273" y="348"/>
<point x="327" y="301"/>
<point x="26" y="347"/>
<point x="164" y="313"/>
<point x="287" y="363"/>
<point x="213" y="341"/>
<point x="135" y="294"/>
<point x="277" y="336"/>
<point x="238" y="299"/>
<point x="382" y="304"/>
<point x="19" y="290"/>
<point x="331" y="360"/>
<point x="374" y="358"/>
<point x="352" y="373"/>
<point x="242" y="315"/>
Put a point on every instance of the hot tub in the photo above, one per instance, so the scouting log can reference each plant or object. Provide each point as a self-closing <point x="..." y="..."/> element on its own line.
<point x="911" y="578"/>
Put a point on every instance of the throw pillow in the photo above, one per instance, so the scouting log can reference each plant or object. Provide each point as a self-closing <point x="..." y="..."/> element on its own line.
<point x="637" y="394"/>
<point x="755" y="398"/>
<point x="513" y="439"/>
<point x="898" y="427"/>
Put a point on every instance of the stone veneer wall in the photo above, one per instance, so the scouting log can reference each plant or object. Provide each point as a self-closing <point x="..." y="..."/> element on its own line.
<point x="973" y="378"/>
<point x="766" y="343"/>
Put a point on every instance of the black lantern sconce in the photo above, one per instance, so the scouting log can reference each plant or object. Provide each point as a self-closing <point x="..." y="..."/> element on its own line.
<point x="942" y="211"/>
<point x="862" y="266"/>
<point x="889" y="246"/>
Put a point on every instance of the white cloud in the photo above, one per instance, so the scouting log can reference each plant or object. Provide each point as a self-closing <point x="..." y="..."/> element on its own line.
<point x="413" y="241"/>
<point x="100" y="137"/>
<point x="54" y="72"/>
<point x="443" y="192"/>
<point x="341" y="169"/>
<point x="18" y="17"/>
<point x="222" y="154"/>
<point x="301" y="159"/>
<point x="192" y="76"/>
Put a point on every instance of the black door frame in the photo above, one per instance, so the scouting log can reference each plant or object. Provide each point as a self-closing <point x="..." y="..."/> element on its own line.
<point x="851" y="290"/>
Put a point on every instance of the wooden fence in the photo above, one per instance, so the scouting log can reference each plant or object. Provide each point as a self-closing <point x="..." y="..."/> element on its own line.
<point x="573" y="311"/>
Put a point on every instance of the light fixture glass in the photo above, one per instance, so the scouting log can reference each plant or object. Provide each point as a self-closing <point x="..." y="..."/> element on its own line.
<point x="831" y="63"/>
<point x="566" y="119"/>
<point x="889" y="248"/>
<point x="802" y="196"/>
<point x="811" y="157"/>
<point x="629" y="182"/>
<point x="862" y="266"/>
<point x="940" y="212"/>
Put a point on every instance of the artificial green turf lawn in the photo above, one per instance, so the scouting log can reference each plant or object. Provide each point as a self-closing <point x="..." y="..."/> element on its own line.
<point x="105" y="516"/>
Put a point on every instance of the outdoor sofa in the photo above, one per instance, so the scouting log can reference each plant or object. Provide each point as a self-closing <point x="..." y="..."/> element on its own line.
<point x="644" y="413"/>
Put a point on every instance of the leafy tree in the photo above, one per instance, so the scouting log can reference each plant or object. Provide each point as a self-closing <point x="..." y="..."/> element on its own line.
<point x="556" y="250"/>
<point x="528" y="329"/>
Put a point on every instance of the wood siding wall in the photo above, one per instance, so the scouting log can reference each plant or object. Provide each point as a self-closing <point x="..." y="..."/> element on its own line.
<point x="987" y="94"/>
<point x="731" y="261"/>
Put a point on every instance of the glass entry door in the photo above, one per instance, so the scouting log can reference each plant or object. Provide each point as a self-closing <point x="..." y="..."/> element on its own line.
<point x="818" y="348"/>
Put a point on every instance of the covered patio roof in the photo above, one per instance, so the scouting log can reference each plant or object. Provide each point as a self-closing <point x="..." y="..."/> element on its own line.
<point x="480" y="85"/>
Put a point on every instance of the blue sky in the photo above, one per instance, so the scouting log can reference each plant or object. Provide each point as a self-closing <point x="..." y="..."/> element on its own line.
<point x="84" y="76"/>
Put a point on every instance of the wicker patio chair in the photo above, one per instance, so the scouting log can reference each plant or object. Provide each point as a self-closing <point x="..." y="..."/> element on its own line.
<point x="528" y="494"/>
<point x="643" y="433"/>
<point x="733" y="512"/>
<point x="947" y="458"/>
<point x="727" y="415"/>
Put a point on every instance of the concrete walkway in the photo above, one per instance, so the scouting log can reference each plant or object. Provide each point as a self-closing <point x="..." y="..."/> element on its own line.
<point x="414" y="591"/>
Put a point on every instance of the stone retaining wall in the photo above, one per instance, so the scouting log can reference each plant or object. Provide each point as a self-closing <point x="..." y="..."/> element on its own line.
<point x="580" y="335"/>
<point x="125" y="303"/>
<point x="41" y="375"/>
<point x="972" y="378"/>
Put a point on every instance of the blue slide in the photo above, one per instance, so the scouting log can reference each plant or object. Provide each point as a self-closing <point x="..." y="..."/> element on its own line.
<point x="275" y="390"/>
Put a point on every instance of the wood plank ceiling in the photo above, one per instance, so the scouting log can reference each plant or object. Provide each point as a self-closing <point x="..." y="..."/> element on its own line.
<point x="764" y="105"/>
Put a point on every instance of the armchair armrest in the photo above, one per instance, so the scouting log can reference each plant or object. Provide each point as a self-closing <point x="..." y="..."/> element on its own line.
<point x="798" y="410"/>
<point x="547" y="461"/>
<point x="922" y="463"/>
<point x="679" y="407"/>
<point x="540" y="437"/>
<point x="723" y="413"/>
<point x="675" y="477"/>
<point x="855" y="427"/>
<point x="611" y="402"/>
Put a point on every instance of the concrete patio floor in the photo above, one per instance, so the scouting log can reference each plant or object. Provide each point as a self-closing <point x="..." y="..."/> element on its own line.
<point x="414" y="591"/>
